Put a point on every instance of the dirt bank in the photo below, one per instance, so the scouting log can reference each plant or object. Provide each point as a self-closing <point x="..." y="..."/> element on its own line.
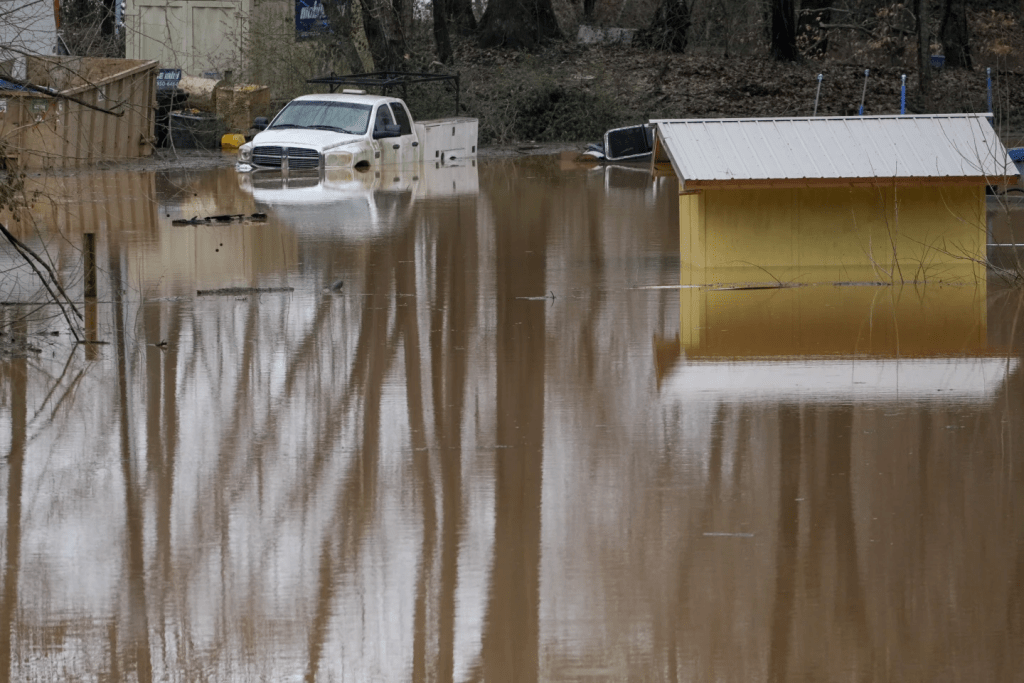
<point x="570" y="92"/>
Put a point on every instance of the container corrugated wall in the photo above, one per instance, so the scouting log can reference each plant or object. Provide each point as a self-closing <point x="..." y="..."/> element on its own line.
<point x="41" y="131"/>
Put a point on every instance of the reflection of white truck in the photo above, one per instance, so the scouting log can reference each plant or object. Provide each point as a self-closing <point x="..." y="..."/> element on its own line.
<point x="355" y="205"/>
<point x="351" y="129"/>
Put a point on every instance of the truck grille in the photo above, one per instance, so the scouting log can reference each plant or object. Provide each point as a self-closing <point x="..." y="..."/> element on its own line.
<point x="302" y="158"/>
<point x="267" y="156"/>
<point x="298" y="157"/>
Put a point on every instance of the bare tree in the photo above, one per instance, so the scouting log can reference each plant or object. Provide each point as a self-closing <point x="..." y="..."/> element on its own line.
<point x="670" y="26"/>
<point x="340" y="42"/>
<point x="88" y="28"/>
<point x="460" y="14"/>
<point x="924" y="40"/>
<point x="382" y="21"/>
<point x="518" y="23"/>
<point x="442" y="41"/>
<point x="783" y="30"/>
<point x="955" y="41"/>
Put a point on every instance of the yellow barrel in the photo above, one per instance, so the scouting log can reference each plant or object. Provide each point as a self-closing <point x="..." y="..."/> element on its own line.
<point x="232" y="141"/>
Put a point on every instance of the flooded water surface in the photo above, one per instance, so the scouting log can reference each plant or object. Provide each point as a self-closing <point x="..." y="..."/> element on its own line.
<point x="464" y="424"/>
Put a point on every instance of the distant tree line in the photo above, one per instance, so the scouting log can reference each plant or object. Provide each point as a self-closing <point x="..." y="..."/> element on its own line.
<point x="793" y="28"/>
<point x="790" y="29"/>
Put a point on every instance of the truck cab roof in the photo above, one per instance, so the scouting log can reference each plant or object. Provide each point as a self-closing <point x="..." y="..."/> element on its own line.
<point x="361" y="98"/>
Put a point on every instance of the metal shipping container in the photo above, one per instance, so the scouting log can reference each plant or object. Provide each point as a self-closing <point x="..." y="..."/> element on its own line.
<point x="84" y="110"/>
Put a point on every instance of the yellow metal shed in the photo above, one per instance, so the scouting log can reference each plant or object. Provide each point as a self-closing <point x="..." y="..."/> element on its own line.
<point x="832" y="199"/>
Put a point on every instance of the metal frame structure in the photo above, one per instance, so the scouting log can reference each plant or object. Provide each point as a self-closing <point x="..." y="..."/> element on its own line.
<point x="386" y="81"/>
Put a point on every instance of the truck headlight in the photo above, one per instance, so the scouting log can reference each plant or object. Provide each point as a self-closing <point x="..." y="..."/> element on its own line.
<point x="338" y="159"/>
<point x="245" y="153"/>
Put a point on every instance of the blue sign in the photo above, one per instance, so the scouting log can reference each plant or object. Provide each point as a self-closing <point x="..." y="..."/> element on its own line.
<point x="167" y="78"/>
<point x="311" y="18"/>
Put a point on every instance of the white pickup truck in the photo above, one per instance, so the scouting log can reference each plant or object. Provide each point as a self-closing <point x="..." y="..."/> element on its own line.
<point x="351" y="129"/>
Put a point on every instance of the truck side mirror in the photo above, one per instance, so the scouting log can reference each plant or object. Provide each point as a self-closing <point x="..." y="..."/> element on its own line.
<point x="260" y="123"/>
<point x="388" y="130"/>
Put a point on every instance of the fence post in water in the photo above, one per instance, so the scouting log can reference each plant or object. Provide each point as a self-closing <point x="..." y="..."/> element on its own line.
<point x="863" y="93"/>
<point x="90" y="264"/>
<point x="903" y="96"/>
<point x="817" y="95"/>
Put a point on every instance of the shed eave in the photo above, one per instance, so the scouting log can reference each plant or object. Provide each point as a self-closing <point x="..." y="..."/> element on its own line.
<point x="786" y="183"/>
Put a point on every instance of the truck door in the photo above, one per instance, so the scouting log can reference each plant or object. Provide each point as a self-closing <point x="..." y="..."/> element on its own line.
<point x="399" y="149"/>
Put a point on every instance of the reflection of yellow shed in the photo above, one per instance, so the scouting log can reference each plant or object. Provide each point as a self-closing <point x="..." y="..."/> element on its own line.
<point x="828" y="343"/>
<point x="894" y="198"/>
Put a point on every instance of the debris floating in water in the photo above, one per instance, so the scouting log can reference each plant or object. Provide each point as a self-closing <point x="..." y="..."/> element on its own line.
<point x="224" y="218"/>
<point x="550" y="296"/>
<point x="233" y="291"/>
<point x="738" y="534"/>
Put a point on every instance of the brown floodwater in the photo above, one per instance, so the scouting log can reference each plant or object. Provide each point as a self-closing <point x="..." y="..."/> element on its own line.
<point x="508" y="447"/>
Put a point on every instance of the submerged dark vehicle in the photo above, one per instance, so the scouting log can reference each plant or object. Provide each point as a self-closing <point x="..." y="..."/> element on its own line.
<point x="632" y="143"/>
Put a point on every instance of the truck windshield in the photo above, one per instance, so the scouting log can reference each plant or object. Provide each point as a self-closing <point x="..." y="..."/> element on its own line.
<point x="345" y="117"/>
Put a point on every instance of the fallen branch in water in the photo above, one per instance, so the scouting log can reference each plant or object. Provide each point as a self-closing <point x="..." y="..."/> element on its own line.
<point x="234" y="291"/>
<point x="52" y="285"/>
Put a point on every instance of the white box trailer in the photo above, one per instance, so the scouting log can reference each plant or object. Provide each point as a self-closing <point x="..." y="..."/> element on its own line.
<point x="444" y="139"/>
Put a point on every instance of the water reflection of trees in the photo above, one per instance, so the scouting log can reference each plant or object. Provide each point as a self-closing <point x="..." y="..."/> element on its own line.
<point x="436" y="476"/>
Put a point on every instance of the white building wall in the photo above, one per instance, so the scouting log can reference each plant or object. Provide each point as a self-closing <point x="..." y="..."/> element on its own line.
<point x="26" y="27"/>
<point x="196" y="36"/>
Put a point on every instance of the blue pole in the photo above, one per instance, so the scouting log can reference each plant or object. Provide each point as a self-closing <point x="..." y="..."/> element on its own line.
<point x="863" y="92"/>
<point x="903" y="96"/>
<point x="988" y="75"/>
<point x="817" y="95"/>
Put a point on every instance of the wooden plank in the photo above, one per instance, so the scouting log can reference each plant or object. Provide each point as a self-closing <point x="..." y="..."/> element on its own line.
<point x="150" y="123"/>
<point x="143" y="103"/>
<point x="116" y="90"/>
<point x="73" y="129"/>
<point x="109" y="123"/>
<point x="131" y="115"/>
<point x="95" y="127"/>
<point x="23" y="132"/>
<point x="62" y="129"/>
<point x="10" y="122"/>
<point x="49" y="140"/>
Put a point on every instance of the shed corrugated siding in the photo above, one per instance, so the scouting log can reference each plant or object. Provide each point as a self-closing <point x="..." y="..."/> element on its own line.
<point x="833" y="234"/>
<point x="834" y="148"/>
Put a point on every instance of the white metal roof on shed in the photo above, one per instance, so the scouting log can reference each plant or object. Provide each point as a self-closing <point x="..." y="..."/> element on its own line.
<point x="724" y="151"/>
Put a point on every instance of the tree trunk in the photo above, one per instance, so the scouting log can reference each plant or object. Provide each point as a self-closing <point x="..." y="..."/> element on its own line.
<point x="518" y="24"/>
<point x="783" y="31"/>
<point x="383" y="33"/>
<point x="402" y="11"/>
<point x="955" y="43"/>
<point x="924" y="39"/>
<point x="460" y="14"/>
<point x="588" y="9"/>
<point x="107" y="27"/>
<point x="341" y="39"/>
<point x="441" y="39"/>
<point x="670" y="26"/>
